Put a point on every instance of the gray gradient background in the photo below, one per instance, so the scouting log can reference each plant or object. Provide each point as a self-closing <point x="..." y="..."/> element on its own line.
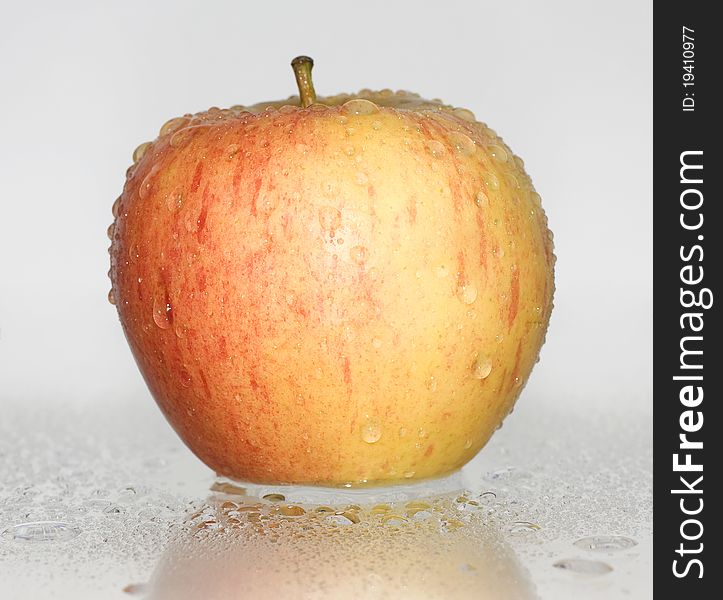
<point x="567" y="84"/>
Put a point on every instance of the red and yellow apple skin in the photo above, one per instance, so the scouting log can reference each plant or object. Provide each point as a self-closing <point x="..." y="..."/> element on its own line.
<point x="352" y="292"/>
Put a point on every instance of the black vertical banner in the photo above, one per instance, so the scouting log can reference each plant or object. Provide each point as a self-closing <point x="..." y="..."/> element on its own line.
<point x="687" y="273"/>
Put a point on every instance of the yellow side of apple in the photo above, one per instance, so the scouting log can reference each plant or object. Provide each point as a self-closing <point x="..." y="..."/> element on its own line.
<point x="346" y="293"/>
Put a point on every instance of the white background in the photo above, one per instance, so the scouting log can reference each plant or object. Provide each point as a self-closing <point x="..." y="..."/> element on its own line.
<point x="567" y="84"/>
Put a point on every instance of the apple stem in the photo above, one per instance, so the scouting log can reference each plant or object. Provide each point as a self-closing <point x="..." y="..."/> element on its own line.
<point x="302" y="66"/>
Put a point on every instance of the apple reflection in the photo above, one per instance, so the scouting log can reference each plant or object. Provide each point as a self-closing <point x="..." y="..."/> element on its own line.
<point x="440" y="547"/>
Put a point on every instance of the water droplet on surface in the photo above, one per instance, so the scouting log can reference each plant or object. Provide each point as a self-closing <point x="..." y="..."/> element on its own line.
<point x="462" y="143"/>
<point x="605" y="543"/>
<point x="291" y="510"/>
<point x="583" y="566"/>
<point x="380" y="509"/>
<point x="136" y="589"/>
<point x="140" y="151"/>
<point x="162" y="312"/>
<point x="359" y="106"/>
<point x="111" y="297"/>
<point x="467" y="293"/>
<point x="482" y="367"/>
<point x="371" y="432"/>
<point x="521" y="527"/>
<point x="42" y="531"/>
<point x="435" y="148"/>
<point x="225" y="487"/>
<point x="274" y="497"/>
<point x="393" y="520"/>
<point x="340" y="520"/>
<point x="358" y="254"/>
<point x="498" y="153"/>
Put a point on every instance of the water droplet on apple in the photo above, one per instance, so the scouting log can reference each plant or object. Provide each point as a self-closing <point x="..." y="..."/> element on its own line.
<point x="173" y="125"/>
<point x="110" y="231"/>
<point x="329" y="218"/>
<point x="146" y="184"/>
<point x="462" y="143"/>
<point x="467" y="444"/>
<point x="358" y="254"/>
<point x="490" y="180"/>
<point x="409" y="474"/>
<point x="482" y="367"/>
<point x="422" y="432"/>
<point x="498" y="153"/>
<point x="376" y="125"/>
<point x="174" y="201"/>
<point x="377" y="343"/>
<point x="232" y="150"/>
<point x="512" y="181"/>
<point x="359" y="106"/>
<point x="140" y="151"/>
<point x="402" y="432"/>
<point x="435" y="148"/>
<point x="467" y="293"/>
<point x="185" y="378"/>
<point x="371" y="431"/>
<point x="431" y="384"/>
<point x="180" y="137"/>
<point x="361" y="178"/>
<point x="464" y="114"/>
<point x="519" y="163"/>
<point x="115" y="209"/>
<point x="162" y="312"/>
<point x="481" y="199"/>
<point x="133" y="253"/>
<point x="535" y="198"/>
<point x="111" y="297"/>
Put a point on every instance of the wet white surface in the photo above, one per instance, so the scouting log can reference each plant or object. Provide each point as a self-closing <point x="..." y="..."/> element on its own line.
<point x="95" y="501"/>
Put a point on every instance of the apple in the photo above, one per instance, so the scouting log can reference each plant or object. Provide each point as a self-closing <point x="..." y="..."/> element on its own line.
<point x="342" y="290"/>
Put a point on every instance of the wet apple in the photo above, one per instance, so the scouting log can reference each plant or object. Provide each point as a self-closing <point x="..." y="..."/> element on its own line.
<point x="348" y="289"/>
